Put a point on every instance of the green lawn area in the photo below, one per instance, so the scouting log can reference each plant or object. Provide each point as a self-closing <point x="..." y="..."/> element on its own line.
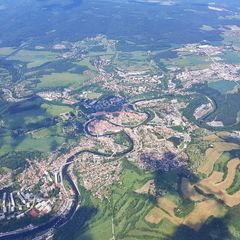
<point x="160" y="231"/>
<point x="31" y="115"/>
<point x="92" y="95"/>
<point x="25" y="113"/>
<point x="231" y="57"/>
<point x="133" y="61"/>
<point x="44" y="140"/>
<point x="184" y="209"/>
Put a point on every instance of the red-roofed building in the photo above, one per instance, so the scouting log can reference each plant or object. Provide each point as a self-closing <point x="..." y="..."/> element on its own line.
<point x="34" y="213"/>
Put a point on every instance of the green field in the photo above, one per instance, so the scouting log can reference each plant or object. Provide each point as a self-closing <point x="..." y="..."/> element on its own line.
<point x="185" y="60"/>
<point x="134" y="61"/>
<point x="56" y="110"/>
<point x="62" y="80"/>
<point x="34" y="58"/>
<point x="44" y="140"/>
<point x="124" y="206"/>
<point x="6" y="51"/>
<point x="86" y="63"/>
<point x="127" y="209"/>
<point x="231" y="57"/>
<point x="236" y="183"/>
<point x="221" y="164"/>
<point x="222" y="86"/>
<point x="32" y="125"/>
<point x="47" y="143"/>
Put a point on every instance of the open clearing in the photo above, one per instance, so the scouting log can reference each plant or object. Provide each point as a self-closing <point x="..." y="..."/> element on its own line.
<point x="212" y="138"/>
<point x="56" y="110"/>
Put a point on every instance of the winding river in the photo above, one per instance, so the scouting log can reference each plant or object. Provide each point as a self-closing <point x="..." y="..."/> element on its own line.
<point x="59" y="221"/>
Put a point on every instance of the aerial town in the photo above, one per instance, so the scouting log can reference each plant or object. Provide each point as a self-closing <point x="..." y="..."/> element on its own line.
<point x="216" y="68"/>
<point x="121" y="123"/>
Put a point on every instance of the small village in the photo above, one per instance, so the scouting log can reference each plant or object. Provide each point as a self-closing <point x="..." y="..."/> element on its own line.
<point x="216" y="69"/>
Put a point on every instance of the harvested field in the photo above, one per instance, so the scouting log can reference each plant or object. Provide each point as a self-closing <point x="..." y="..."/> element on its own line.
<point x="156" y="215"/>
<point x="213" y="185"/>
<point x="232" y="167"/>
<point x="189" y="192"/>
<point x="164" y="211"/>
<point x="167" y="205"/>
<point x="229" y="200"/>
<point x="212" y="138"/>
<point x="201" y="213"/>
<point x="223" y="134"/>
<point x="195" y="219"/>
<point x="216" y="137"/>
<point x="214" y="178"/>
<point x="213" y="154"/>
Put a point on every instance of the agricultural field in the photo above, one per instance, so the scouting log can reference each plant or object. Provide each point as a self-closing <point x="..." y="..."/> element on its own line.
<point x="185" y="60"/>
<point x="223" y="87"/>
<point x="120" y="119"/>
<point x="33" y="58"/>
<point x="134" y="60"/>
<point x="5" y="51"/>
<point x="61" y="80"/>
<point x="198" y="200"/>
<point x="125" y="208"/>
<point x="33" y="126"/>
<point x="136" y="213"/>
<point x="214" y="153"/>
